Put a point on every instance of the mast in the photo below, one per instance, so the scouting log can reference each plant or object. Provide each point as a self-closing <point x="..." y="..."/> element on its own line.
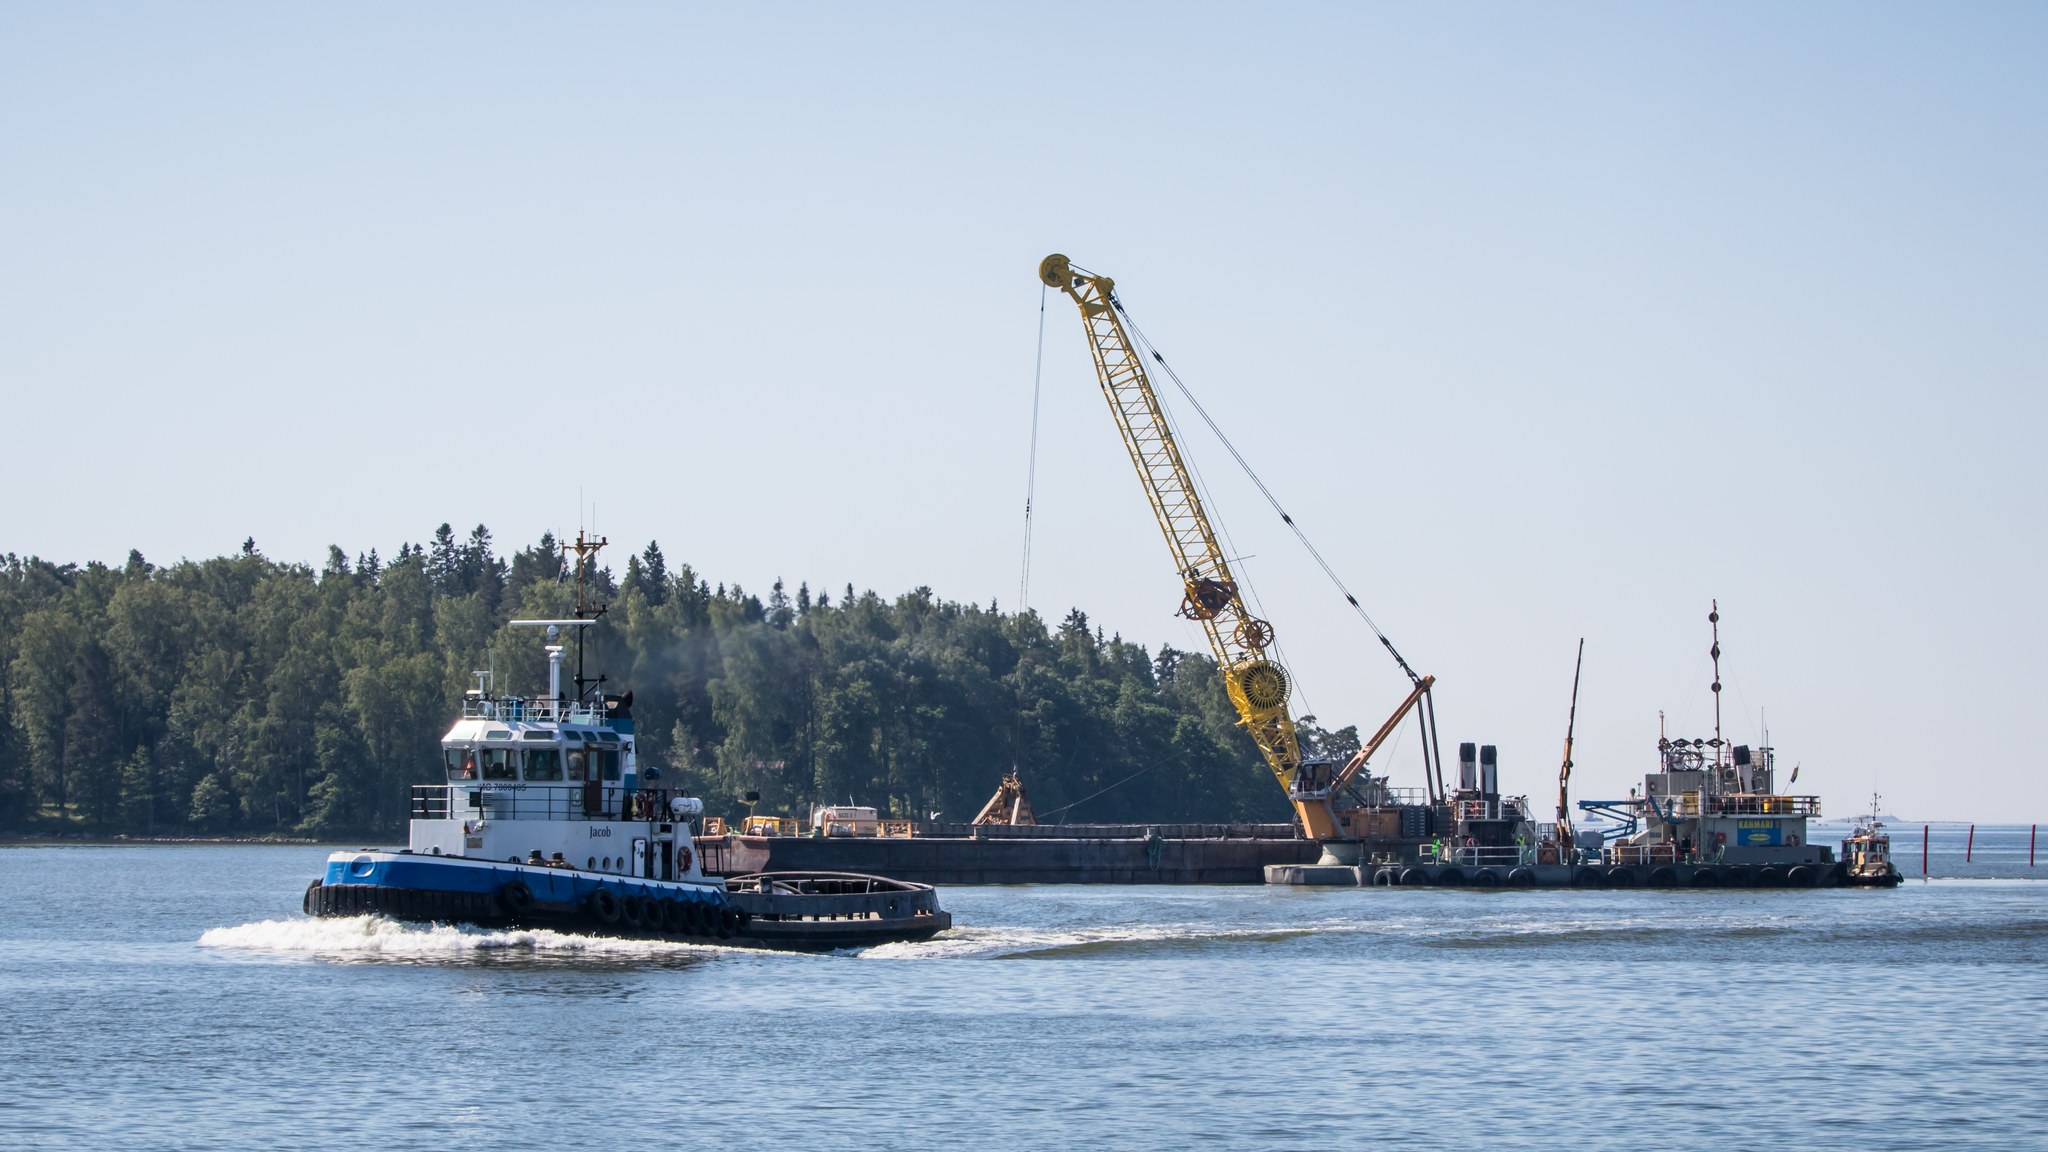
<point x="1714" y="618"/>
<point x="1564" y="774"/>
<point x="585" y="548"/>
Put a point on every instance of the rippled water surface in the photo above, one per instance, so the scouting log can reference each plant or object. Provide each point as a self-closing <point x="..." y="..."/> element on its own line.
<point x="173" y="997"/>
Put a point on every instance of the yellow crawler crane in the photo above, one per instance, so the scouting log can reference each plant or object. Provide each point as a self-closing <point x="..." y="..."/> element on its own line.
<point x="1257" y="684"/>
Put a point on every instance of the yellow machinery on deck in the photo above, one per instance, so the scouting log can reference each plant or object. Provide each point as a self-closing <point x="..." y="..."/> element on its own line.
<point x="1333" y="803"/>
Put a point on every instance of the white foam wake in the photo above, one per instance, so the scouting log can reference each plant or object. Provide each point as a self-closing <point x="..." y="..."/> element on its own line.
<point x="374" y="937"/>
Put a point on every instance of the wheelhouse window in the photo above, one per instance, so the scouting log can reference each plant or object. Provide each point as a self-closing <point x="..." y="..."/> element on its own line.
<point x="543" y="764"/>
<point x="607" y="762"/>
<point x="577" y="767"/>
<point x="500" y="764"/>
<point x="461" y="763"/>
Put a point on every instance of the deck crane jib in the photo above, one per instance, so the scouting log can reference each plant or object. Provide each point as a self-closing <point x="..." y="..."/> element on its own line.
<point x="1336" y="803"/>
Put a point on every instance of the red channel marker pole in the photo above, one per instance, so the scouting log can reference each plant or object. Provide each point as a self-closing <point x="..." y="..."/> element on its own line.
<point x="1970" y="845"/>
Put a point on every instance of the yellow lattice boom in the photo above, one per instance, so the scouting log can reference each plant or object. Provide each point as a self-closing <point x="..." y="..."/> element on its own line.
<point x="1258" y="685"/>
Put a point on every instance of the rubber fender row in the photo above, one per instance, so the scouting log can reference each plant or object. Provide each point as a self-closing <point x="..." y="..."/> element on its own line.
<point x="630" y="914"/>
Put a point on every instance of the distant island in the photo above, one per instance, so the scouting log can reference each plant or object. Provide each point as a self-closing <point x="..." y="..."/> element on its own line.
<point x="245" y="696"/>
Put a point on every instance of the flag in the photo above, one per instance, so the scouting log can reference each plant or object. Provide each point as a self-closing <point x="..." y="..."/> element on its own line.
<point x="1795" y="775"/>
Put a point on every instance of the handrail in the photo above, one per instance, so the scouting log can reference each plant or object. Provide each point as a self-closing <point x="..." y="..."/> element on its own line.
<point x="509" y="800"/>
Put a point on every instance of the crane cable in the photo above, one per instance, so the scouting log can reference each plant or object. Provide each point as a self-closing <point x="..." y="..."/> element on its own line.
<point x="1031" y="467"/>
<point x="1261" y="485"/>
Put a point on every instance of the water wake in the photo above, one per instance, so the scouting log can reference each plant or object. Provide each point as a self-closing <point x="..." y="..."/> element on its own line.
<point x="377" y="938"/>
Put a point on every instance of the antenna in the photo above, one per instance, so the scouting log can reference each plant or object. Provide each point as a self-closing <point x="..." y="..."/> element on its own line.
<point x="1714" y="618"/>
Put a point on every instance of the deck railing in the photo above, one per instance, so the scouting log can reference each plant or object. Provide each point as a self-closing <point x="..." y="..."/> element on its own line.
<point x="492" y="800"/>
<point x="1747" y="804"/>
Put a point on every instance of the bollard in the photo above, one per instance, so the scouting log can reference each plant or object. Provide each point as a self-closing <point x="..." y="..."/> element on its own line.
<point x="1970" y="845"/>
<point x="1923" y="848"/>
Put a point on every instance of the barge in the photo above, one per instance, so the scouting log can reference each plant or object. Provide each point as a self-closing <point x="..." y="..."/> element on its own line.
<point x="547" y="818"/>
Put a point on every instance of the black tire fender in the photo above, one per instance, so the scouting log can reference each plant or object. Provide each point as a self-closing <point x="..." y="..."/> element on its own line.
<point x="516" y="898"/>
<point x="603" y="906"/>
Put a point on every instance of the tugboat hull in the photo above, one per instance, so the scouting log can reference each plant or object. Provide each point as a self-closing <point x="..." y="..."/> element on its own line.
<point x="801" y="911"/>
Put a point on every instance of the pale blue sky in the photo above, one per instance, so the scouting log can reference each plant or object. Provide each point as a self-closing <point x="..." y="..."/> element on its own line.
<point x="1544" y="320"/>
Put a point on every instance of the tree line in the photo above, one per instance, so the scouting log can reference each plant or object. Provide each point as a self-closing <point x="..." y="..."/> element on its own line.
<point x="245" y="696"/>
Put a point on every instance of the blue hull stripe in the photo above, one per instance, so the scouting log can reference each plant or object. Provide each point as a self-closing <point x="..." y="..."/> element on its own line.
<point x="456" y="874"/>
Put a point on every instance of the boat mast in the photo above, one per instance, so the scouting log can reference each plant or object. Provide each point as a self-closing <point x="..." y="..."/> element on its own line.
<point x="1720" y="753"/>
<point x="585" y="548"/>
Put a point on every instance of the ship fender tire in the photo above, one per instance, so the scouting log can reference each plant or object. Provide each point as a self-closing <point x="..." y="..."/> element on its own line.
<point x="1486" y="878"/>
<point x="1801" y="876"/>
<point x="728" y="922"/>
<point x="1706" y="878"/>
<point x="603" y="906"/>
<point x="632" y="912"/>
<point x="1770" y="878"/>
<point x="1664" y="876"/>
<point x="1451" y="878"/>
<point x="516" y="898"/>
<point x="1386" y="878"/>
<point x="1522" y="878"/>
<point x="674" y="920"/>
<point x="311" y="900"/>
<point x="1588" y="877"/>
<point x="1737" y="877"/>
<point x="1621" y="878"/>
<point x="1414" y="876"/>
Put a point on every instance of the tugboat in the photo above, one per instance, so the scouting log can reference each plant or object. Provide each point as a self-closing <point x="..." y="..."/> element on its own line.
<point x="1867" y="853"/>
<point x="1711" y="816"/>
<point x="548" y="819"/>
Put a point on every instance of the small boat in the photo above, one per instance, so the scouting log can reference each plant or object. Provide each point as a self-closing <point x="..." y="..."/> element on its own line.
<point x="1867" y="853"/>
<point x="547" y="818"/>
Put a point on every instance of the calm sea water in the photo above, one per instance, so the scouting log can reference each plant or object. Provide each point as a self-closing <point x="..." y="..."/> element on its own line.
<point x="173" y="997"/>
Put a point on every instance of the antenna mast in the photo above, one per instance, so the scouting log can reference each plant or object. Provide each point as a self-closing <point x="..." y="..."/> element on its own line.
<point x="585" y="547"/>
<point x="1714" y="618"/>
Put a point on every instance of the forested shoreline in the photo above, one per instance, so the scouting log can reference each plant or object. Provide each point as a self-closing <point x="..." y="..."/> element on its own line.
<point x="242" y="696"/>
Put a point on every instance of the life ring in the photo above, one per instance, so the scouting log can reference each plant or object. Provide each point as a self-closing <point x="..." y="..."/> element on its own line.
<point x="683" y="859"/>
<point x="516" y="897"/>
<point x="603" y="906"/>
